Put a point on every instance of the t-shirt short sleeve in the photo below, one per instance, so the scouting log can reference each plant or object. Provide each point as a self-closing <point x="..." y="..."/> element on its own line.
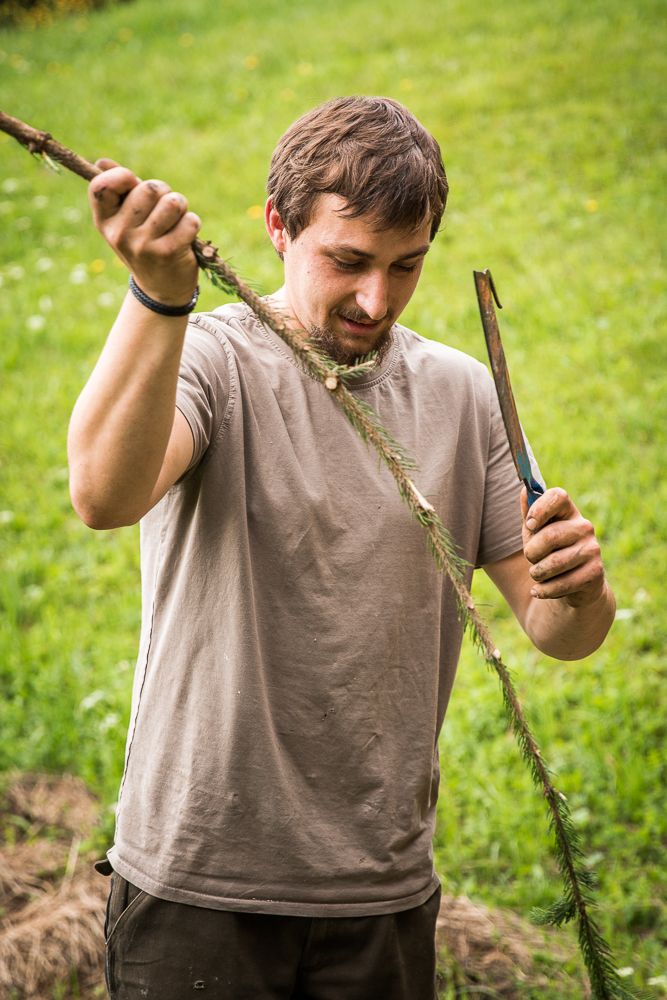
<point x="501" y="519"/>
<point x="202" y="393"/>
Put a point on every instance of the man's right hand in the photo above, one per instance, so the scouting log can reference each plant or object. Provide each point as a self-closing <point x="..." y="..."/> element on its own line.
<point x="150" y="228"/>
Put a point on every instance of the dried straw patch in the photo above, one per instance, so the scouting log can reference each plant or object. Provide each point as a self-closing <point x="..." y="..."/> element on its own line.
<point x="58" y="932"/>
<point x="52" y="902"/>
<point x="499" y="952"/>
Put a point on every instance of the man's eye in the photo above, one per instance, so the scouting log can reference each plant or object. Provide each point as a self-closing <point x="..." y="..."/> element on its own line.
<point x="404" y="269"/>
<point x="345" y="265"/>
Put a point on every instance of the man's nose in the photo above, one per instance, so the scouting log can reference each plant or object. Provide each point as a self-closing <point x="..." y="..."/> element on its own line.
<point x="372" y="295"/>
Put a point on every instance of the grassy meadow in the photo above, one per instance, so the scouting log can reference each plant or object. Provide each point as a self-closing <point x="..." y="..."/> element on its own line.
<point x="551" y="118"/>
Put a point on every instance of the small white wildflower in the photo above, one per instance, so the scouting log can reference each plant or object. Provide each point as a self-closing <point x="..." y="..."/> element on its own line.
<point x="106" y="299"/>
<point x="17" y="272"/>
<point x="108" y="722"/>
<point x="35" y="322"/>
<point x="9" y="186"/>
<point x="624" y="973"/>
<point x="91" y="699"/>
<point x="657" y="981"/>
<point x="44" y="264"/>
<point x="6" y="516"/>
<point x="622" y="614"/>
<point x="78" y="276"/>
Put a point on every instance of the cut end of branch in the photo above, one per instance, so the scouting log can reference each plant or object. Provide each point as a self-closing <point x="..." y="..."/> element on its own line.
<point x="331" y="383"/>
<point x="419" y="499"/>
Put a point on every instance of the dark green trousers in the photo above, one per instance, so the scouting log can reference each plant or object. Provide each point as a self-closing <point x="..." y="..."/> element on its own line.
<point x="157" y="950"/>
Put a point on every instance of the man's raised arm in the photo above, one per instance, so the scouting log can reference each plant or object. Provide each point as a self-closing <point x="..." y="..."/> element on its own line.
<point x="127" y="442"/>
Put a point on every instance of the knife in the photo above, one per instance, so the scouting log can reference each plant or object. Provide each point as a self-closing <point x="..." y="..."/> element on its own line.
<point x="486" y="293"/>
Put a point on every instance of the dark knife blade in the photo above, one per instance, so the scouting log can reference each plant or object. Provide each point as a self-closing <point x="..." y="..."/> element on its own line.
<point x="486" y="293"/>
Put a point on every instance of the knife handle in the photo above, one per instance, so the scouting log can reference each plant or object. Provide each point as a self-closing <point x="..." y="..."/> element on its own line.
<point x="535" y="490"/>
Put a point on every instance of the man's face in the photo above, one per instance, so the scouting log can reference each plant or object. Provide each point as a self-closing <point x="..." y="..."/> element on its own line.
<point x="344" y="280"/>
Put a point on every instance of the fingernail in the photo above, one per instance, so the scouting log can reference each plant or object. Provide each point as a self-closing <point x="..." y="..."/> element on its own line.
<point x="533" y="593"/>
<point x="531" y="524"/>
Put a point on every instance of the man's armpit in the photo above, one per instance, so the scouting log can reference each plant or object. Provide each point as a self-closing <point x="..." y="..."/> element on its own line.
<point x="178" y="456"/>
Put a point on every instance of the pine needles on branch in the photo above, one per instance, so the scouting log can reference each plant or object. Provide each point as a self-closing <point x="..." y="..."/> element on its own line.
<point x="579" y="883"/>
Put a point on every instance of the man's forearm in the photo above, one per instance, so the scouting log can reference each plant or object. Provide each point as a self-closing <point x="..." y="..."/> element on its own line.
<point x="566" y="632"/>
<point x="122" y="421"/>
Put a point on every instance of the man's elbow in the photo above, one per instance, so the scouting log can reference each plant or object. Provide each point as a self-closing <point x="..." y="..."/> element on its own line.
<point x="569" y="651"/>
<point x="571" y="632"/>
<point x="98" y="515"/>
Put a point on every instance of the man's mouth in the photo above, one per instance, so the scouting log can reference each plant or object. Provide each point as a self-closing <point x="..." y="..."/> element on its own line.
<point x="345" y="349"/>
<point x="360" y="328"/>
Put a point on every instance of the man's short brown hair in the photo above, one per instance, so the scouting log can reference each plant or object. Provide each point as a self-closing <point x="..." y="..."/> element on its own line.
<point x="372" y="152"/>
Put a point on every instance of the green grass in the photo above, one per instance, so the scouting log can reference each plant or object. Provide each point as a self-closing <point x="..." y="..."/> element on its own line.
<point x="552" y="124"/>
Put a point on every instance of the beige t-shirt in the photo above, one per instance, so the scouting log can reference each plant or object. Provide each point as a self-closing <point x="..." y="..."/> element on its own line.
<point x="299" y="646"/>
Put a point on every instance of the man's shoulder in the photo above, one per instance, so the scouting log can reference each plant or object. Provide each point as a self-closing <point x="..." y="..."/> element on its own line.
<point x="214" y="337"/>
<point x="225" y="319"/>
<point x="438" y="360"/>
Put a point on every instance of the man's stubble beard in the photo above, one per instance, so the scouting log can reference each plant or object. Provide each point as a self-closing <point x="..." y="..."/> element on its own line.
<point x="328" y="342"/>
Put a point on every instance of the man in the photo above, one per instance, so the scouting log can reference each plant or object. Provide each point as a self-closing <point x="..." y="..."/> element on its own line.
<point x="298" y="645"/>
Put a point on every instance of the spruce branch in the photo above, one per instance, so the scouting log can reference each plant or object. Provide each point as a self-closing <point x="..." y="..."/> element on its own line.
<point x="579" y="883"/>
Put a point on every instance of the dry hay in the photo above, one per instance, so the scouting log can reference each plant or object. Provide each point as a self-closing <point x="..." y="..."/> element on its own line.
<point x="59" y="931"/>
<point x="52" y="901"/>
<point x="496" y="950"/>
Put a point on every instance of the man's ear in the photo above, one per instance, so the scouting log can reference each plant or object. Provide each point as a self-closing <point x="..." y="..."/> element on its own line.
<point x="274" y="227"/>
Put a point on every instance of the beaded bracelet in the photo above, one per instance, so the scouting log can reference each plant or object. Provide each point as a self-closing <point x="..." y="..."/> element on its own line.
<point x="159" y="307"/>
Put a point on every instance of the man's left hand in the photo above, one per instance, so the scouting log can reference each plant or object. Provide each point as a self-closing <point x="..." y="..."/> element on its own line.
<point x="565" y="556"/>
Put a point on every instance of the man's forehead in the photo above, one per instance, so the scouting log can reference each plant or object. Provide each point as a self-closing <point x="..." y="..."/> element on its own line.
<point x="350" y="248"/>
<point x="337" y="232"/>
